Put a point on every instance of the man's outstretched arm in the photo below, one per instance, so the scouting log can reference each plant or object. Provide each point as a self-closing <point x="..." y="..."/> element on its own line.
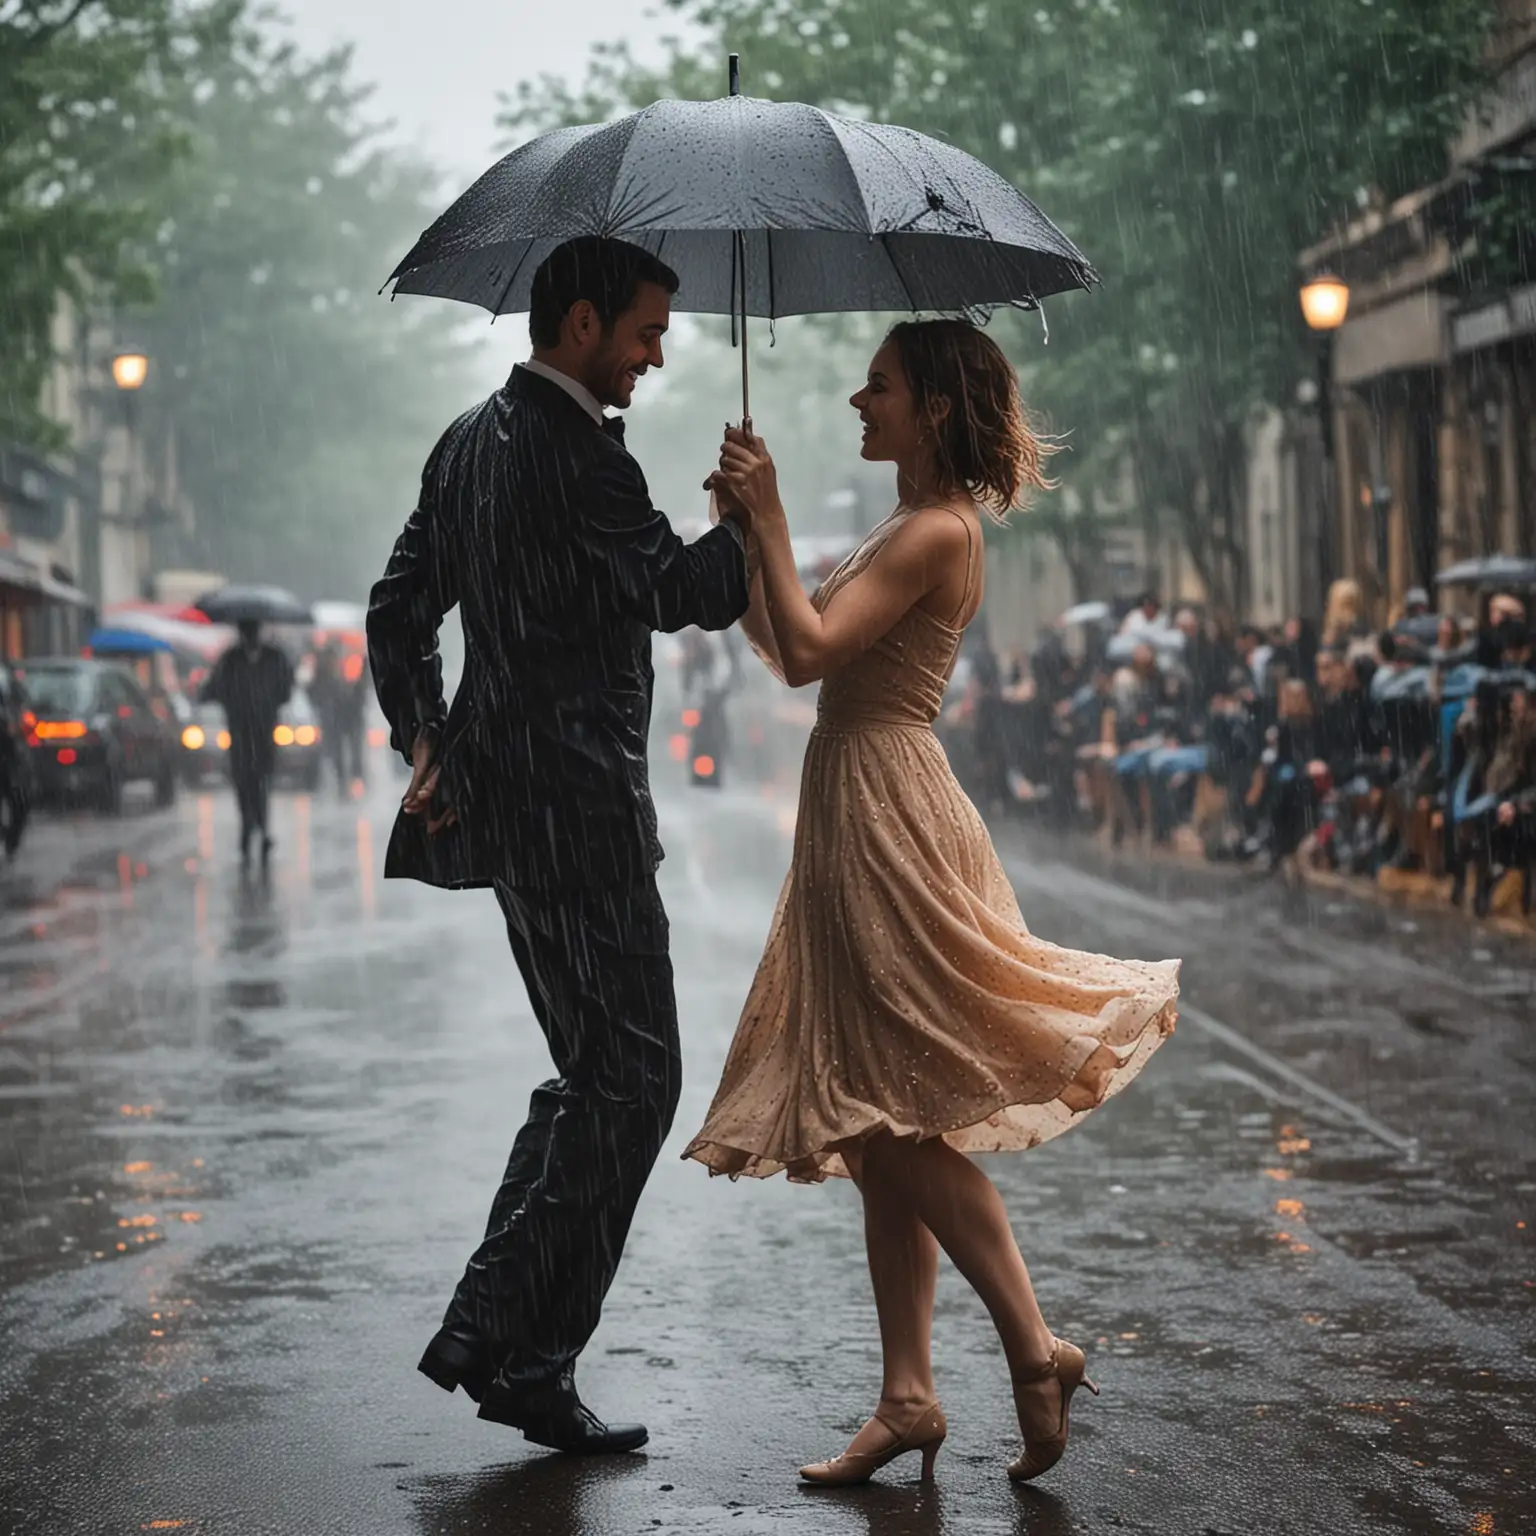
<point x="662" y="580"/>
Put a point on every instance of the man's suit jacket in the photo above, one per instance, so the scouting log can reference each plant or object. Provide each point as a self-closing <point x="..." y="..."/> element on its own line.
<point x="537" y="523"/>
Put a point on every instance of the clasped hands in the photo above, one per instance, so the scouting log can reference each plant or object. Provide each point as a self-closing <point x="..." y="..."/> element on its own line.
<point x="746" y="484"/>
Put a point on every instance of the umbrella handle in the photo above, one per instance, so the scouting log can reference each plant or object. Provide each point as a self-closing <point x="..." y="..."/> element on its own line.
<point x="741" y="262"/>
<point x="734" y="75"/>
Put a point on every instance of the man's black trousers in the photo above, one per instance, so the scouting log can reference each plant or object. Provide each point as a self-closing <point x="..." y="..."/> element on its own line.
<point x="599" y="978"/>
<point x="250" y="772"/>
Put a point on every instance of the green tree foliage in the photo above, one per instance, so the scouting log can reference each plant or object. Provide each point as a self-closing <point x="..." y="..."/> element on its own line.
<point x="178" y="164"/>
<point x="88" y="122"/>
<point x="1191" y="150"/>
<point x="303" y="404"/>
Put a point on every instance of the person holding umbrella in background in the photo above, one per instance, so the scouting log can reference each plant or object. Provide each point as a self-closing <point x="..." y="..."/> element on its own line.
<point x="252" y="681"/>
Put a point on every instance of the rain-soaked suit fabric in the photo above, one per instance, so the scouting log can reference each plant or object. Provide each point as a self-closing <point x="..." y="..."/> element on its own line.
<point x="900" y="989"/>
<point x="537" y="523"/>
<point x="598" y="975"/>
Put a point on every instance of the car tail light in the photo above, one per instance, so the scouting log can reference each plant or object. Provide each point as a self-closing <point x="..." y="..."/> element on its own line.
<point x="691" y="718"/>
<point x="194" y="738"/>
<point x="704" y="766"/>
<point x="60" y="730"/>
<point x="66" y="755"/>
<point x="283" y="735"/>
<point x="377" y="736"/>
<point x="306" y="735"/>
<point x="223" y="740"/>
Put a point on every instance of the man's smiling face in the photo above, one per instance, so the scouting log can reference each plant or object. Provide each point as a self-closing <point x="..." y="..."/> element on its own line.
<point x="631" y="348"/>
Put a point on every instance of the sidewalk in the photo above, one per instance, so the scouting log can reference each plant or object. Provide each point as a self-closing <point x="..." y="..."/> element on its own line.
<point x="1417" y="889"/>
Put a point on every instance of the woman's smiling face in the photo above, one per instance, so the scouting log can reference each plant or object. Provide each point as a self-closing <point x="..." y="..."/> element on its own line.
<point x="887" y="409"/>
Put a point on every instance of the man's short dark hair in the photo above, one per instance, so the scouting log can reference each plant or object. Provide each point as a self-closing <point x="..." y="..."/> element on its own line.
<point x="607" y="273"/>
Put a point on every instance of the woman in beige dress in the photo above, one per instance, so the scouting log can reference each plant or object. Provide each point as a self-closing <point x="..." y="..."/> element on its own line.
<point x="903" y="1017"/>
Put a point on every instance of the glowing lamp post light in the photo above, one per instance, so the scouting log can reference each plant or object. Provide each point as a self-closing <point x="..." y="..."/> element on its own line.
<point x="1324" y="304"/>
<point x="129" y="370"/>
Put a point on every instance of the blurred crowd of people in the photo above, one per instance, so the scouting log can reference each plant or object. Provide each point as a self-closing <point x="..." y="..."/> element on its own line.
<point x="1412" y="747"/>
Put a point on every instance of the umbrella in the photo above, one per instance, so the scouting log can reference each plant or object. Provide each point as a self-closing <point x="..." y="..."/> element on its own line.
<point x="200" y="638"/>
<point x="1085" y="613"/>
<point x="1490" y="571"/>
<point x="125" y="642"/>
<point x="761" y="207"/>
<point x="267" y="605"/>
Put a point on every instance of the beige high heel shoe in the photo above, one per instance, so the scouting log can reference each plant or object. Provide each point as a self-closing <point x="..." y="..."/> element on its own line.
<point x="1044" y="1423"/>
<point x="925" y="1433"/>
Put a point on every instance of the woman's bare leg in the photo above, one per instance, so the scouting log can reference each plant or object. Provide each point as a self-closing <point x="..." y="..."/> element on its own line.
<point x="961" y="1207"/>
<point x="903" y="1270"/>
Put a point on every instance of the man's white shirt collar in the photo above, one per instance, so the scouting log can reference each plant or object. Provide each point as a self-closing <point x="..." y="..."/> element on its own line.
<point x="573" y="387"/>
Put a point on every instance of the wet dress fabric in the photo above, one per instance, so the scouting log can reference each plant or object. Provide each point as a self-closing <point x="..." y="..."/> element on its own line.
<point x="900" y="988"/>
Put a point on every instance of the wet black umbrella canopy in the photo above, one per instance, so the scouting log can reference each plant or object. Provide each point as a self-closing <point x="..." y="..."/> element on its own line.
<point x="241" y="602"/>
<point x="761" y="207"/>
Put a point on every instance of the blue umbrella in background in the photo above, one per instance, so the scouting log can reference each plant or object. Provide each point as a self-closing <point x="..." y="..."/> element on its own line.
<point x="125" y="642"/>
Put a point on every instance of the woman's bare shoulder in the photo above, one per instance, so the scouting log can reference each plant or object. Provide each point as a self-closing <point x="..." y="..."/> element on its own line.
<point x="942" y="531"/>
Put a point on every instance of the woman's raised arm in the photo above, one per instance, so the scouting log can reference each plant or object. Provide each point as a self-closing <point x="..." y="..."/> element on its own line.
<point x="916" y="560"/>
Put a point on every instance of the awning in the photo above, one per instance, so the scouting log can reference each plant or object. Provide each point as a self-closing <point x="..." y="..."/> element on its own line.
<point x="26" y="577"/>
<point x="1512" y="315"/>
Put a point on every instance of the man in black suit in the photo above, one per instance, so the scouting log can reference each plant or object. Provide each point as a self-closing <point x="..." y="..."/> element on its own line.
<point x="534" y="520"/>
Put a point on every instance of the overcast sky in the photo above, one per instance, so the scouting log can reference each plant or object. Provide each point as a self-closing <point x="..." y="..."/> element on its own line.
<point x="438" y="64"/>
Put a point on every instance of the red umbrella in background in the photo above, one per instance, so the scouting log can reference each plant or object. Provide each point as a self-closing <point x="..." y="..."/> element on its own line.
<point x="196" y="636"/>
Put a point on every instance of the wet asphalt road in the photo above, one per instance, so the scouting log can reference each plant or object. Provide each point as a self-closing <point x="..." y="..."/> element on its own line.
<point x="248" y="1131"/>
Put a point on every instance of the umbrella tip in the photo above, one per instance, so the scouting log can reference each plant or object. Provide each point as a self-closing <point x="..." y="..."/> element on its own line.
<point x="735" y="74"/>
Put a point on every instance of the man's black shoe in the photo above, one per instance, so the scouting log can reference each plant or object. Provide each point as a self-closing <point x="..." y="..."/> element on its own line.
<point x="557" y="1417"/>
<point x="457" y="1358"/>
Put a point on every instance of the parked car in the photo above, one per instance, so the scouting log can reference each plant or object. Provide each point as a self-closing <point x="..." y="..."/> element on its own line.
<point x="204" y="739"/>
<point x="16" y="787"/>
<point x="95" y="731"/>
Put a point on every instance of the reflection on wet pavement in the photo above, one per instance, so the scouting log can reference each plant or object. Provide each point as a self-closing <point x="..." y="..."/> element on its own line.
<point x="247" y="1126"/>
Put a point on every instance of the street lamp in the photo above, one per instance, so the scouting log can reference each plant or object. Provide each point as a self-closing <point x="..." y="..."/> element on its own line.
<point x="129" y="370"/>
<point x="1324" y="304"/>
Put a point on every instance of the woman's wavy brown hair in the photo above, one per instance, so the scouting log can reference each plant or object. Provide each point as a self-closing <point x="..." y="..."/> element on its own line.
<point x="984" y="441"/>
